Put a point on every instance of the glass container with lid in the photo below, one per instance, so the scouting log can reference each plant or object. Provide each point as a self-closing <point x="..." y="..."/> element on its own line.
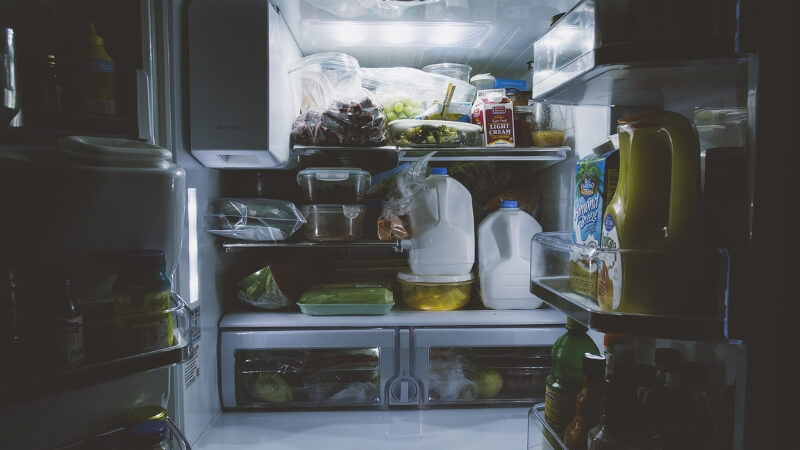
<point x="343" y="185"/>
<point x="433" y="133"/>
<point x="436" y="292"/>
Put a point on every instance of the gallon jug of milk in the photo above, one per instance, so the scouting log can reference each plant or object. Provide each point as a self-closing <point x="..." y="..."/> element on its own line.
<point x="442" y="228"/>
<point x="504" y="258"/>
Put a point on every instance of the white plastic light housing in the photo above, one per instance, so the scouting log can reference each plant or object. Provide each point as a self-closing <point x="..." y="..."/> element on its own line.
<point x="393" y="33"/>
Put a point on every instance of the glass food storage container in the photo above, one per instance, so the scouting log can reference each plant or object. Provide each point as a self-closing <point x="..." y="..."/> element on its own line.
<point x="458" y="71"/>
<point x="344" y="185"/>
<point x="435" y="292"/>
<point x="333" y="222"/>
<point x="551" y="123"/>
<point x="433" y="133"/>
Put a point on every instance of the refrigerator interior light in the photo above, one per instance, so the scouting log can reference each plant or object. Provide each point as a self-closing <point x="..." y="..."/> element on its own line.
<point x="393" y="33"/>
<point x="191" y="207"/>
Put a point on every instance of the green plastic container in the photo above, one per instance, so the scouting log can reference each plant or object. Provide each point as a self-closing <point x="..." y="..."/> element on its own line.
<point x="346" y="301"/>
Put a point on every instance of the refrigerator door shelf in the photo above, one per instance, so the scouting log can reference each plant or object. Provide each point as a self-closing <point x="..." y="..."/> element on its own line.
<point x="29" y="374"/>
<point x="540" y="435"/>
<point x="705" y="305"/>
<point x="601" y="54"/>
<point x="116" y="438"/>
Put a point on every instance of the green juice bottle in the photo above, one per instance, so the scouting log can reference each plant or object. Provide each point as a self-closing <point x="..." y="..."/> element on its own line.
<point x="565" y="380"/>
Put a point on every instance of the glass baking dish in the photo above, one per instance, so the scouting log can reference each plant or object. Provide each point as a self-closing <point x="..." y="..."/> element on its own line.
<point x="433" y="133"/>
<point x="334" y="222"/>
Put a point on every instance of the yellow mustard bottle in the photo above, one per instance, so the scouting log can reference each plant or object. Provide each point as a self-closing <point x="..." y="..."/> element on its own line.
<point x="100" y="88"/>
<point x="654" y="219"/>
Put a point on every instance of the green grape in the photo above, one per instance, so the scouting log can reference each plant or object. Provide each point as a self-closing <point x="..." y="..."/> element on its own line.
<point x="390" y="116"/>
<point x="402" y="116"/>
<point x="409" y="111"/>
<point x="398" y="107"/>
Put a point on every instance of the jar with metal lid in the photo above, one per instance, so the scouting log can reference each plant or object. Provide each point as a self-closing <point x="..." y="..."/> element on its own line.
<point x="141" y="295"/>
<point x="145" y="413"/>
<point x="524" y="123"/>
<point x="149" y="435"/>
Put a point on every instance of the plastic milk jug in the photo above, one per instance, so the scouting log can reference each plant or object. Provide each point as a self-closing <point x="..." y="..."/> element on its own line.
<point x="442" y="228"/>
<point x="504" y="258"/>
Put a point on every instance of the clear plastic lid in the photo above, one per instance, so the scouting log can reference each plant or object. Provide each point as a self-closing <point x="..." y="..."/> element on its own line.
<point x="333" y="173"/>
<point x="333" y="61"/>
<point x="460" y="71"/>
<point x="413" y="278"/>
<point x="482" y="77"/>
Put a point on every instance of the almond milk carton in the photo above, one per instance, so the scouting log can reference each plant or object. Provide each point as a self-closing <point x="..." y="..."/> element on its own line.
<point x="494" y="112"/>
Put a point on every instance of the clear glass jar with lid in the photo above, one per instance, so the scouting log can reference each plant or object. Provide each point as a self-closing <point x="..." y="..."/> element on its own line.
<point x="149" y="435"/>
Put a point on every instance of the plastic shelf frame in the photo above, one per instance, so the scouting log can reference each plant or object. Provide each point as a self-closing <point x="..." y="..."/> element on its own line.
<point x="33" y="371"/>
<point x="692" y="288"/>
<point x="115" y="438"/>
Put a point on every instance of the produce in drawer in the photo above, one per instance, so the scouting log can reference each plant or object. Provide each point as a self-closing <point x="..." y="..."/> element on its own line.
<point x="270" y="388"/>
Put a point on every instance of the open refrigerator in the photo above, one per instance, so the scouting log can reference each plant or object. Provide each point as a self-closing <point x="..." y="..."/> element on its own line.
<point x="210" y="82"/>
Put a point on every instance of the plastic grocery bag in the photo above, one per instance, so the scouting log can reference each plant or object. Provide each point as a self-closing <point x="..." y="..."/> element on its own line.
<point x="253" y="219"/>
<point x="273" y="287"/>
<point x="358" y="122"/>
<point x="452" y="377"/>
<point x="334" y="108"/>
<point x="406" y="93"/>
<point x="403" y="184"/>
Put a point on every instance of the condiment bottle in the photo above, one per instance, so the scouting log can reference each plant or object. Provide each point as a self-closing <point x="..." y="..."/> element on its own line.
<point x="659" y="406"/>
<point x="654" y="218"/>
<point x="564" y="383"/>
<point x="100" y="88"/>
<point x="589" y="404"/>
<point x="620" y="425"/>
<point x="693" y="418"/>
<point x="51" y="86"/>
<point x="68" y="327"/>
<point x="141" y="295"/>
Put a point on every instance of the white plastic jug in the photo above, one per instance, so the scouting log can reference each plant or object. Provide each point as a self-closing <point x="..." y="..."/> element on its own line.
<point x="504" y="258"/>
<point x="442" y="228"/>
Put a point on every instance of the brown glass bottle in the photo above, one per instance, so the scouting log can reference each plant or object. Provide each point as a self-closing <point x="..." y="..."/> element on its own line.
<point x="589" y="404"/>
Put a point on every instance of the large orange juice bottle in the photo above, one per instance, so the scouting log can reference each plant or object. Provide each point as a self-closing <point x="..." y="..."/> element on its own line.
<point x="653" y="219"/>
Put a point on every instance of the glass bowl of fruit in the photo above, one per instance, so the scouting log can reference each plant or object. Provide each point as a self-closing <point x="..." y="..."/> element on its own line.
<point x="435" y="292"/>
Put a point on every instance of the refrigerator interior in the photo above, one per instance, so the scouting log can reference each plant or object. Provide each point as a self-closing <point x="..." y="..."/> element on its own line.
<point x="232" y="141"/>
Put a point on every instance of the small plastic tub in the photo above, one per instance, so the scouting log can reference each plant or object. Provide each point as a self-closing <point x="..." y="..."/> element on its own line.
<point x="483" y="81"/>
<point x="333" y="222"/>
<point x="435" y="292"/>
<point x="344" y="185"/>
<point x="459" y="71"/>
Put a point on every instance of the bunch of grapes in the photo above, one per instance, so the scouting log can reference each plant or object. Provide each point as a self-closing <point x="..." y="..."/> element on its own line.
<point x="402" y="108"/>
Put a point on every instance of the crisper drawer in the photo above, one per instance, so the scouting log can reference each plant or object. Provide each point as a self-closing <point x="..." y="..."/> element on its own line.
<point x="482" y="366"/>
<point x="285" y="369"/>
